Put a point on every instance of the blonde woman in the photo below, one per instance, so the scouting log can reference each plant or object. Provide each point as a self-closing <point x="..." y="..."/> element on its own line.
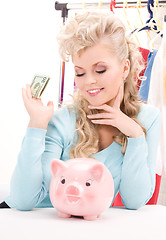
<point x="105" y="121"/>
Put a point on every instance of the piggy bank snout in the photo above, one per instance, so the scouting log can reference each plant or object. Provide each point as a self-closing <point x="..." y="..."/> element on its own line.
<point x="73" y="193"/>
<point x="72" y="190"/>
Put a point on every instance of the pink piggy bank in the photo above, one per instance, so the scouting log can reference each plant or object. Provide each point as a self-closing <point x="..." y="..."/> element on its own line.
<point x="81" y="187"/>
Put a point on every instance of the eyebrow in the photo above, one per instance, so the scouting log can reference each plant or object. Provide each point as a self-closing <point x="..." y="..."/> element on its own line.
<point x="92" y="65"/>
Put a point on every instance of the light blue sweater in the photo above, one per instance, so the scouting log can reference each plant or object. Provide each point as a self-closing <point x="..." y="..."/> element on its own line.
<point x="133" y="172"/>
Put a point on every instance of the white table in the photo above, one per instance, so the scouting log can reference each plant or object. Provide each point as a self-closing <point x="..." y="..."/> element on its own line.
<point x="149" y="222"/>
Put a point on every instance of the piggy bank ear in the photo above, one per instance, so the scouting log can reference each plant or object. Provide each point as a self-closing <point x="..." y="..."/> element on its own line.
<point x="97" y="172"/>
<point x="57" y="166"/>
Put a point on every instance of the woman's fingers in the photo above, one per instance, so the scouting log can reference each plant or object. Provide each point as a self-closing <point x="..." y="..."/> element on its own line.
<point x="24" y="95"/>
<point x="39" y="114"/>
<point x="118" y="98"/>
<point x="50" y="104"/>
<point x="100" y="115"/>
<point x="28" y="91"/>
<point x="103" y="122"/>
<point x="104" y="118"/>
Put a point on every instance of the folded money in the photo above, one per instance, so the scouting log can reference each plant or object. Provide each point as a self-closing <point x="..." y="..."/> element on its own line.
<point x="38" y="85"/>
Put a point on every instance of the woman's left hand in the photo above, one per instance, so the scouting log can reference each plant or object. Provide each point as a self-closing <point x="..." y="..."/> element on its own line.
<point x="115" y="117"/>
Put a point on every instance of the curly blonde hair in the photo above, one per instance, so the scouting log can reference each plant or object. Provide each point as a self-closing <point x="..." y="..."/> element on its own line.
<point x="85" y="30"/>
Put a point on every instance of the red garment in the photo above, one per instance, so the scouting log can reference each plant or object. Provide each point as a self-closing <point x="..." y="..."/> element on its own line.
<point x="145" y="52"/>
<point x="153" y="200"/>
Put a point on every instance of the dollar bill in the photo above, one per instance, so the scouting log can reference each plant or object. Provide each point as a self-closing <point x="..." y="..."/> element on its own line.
<point x="38" y="85"/>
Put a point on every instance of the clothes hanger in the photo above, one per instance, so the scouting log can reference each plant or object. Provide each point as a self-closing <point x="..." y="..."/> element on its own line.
<point x="83" y="5"/>
<point x="125" y="13"/>
<point x="152" y="23"/>
<point x="138" y="6"/>
<point x="112" y="5"/>
<point x="100" y="4"/>
<point x="125" y="5"/>
<point x="159" y="33"/>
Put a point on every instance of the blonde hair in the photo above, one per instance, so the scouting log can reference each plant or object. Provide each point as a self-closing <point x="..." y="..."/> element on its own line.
<point x="83" y="31"/>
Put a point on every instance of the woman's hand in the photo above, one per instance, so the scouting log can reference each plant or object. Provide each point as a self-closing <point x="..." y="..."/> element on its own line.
<point x="115" y="117"/>
<point x="39" y="114"/>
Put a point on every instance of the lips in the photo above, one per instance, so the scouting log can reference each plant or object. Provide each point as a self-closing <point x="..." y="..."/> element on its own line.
<point x="95" y="91"/>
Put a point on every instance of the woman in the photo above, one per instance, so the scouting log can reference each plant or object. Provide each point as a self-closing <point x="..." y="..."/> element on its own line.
<point x="105" y="121"/>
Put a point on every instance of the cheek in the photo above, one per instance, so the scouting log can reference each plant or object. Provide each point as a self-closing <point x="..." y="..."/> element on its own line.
<point x="113" y="80"/>
<point x="90" y="195"/>
<point x="116" y="75"/>
<point x="59" y="192"/>
<point x="90" y="198"/>
<point x="78" y="84"/>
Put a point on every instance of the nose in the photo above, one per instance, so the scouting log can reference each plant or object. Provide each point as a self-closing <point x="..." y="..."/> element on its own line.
<point x="90" y="79"/>
<point x="73" y="194"/>
<point x="72" y="190"/>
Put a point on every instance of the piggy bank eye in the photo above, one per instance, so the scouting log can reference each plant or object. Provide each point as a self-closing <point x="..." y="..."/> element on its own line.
<point x="62" y="180"/>
<point x="88" y="183"/>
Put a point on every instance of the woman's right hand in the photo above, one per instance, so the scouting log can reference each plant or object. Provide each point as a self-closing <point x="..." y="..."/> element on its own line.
<point x="39" y="114"/>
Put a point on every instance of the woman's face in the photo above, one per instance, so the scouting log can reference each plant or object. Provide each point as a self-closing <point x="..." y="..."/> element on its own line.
<point x="99" y="75"/>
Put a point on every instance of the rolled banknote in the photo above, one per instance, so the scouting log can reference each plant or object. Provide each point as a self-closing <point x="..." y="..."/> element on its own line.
<point x="38" y="85"/>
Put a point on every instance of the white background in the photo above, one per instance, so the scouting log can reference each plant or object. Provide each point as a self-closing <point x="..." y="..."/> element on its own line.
<point x="27" y="47"/>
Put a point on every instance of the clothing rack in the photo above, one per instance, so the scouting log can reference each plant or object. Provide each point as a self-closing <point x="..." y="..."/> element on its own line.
<point x="65" y="7"/>
<point x="79" y="5"/>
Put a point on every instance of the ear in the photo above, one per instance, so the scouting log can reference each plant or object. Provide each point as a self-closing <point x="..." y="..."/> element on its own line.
<point x="57" y="166"/>
<point x="126" y="68"/>
<point x="97" y="172"/>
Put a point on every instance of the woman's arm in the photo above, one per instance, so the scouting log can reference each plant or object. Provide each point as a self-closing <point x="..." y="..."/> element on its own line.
<point x="31" y="177"/>
<point x="42" y="143"/>
<point x="138" y="171"/>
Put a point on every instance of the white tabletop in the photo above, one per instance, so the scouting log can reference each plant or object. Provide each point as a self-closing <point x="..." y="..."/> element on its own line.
<point x="149" y="222"/>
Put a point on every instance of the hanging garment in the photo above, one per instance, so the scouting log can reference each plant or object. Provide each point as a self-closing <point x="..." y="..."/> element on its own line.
<point x="145" y="52"/>
<point x="156" y="98"/>
<point x="144" y="87"/>
<point x="117" y="201"/>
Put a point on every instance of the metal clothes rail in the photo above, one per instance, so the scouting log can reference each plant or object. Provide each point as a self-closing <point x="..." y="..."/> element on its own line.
<point x="65" y="7"/>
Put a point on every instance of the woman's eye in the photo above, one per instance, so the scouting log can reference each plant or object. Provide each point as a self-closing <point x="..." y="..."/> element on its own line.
<point x="102" y="71"/>
<point x="79" y="75"/>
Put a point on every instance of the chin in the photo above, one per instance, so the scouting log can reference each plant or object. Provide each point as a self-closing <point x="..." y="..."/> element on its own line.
<point x="99" y="103"/>
<point x="93" y="103"/>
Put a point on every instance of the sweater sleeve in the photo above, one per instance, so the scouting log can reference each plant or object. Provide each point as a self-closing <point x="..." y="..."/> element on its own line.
<point x="31" y="178"/>
<point x="138" y="171"/>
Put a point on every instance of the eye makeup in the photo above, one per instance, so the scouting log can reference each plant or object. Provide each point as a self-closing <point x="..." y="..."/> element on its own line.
<point x="80" y="74"/>
<point x="102" y="71"/>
